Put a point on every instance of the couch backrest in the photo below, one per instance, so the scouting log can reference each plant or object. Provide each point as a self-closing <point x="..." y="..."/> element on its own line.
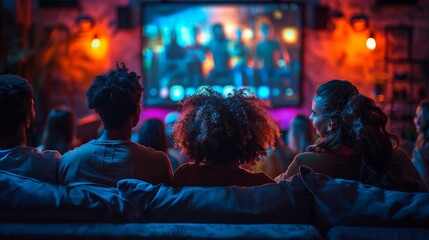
<point x="26" y="199"/>
<point x="287" y="202"/>
<point x="340" y="202"/>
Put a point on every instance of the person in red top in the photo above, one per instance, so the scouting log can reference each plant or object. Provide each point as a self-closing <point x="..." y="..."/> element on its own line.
<point x="354" y="143"/>
<point x="219" y="134"/>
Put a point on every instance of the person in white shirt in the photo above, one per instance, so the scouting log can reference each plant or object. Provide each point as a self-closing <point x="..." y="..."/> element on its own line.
<point x="116" y="98"/>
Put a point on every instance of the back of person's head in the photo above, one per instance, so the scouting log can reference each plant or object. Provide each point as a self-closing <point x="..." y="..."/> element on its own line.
<point x="16" y="104"/>
<point x="59" y="130"/>
<point x="225" y="130"/>
<point x="152" y="134"/>
<point x="301" y="134"/>
<point x="421" y="121"/>
<point x="115" y="96"/>
<point x="356" y="123"/>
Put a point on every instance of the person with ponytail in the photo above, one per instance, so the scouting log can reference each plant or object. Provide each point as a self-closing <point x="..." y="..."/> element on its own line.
<point x="421" y="150"/>
<point x="354" y="143"/>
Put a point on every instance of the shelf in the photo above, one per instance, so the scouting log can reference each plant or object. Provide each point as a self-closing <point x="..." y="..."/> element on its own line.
<point x="405" y="61"/>
<point x="407" y="79"/>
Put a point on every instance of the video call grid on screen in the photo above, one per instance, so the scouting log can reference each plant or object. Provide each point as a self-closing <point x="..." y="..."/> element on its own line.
<point x="188" y="46"/>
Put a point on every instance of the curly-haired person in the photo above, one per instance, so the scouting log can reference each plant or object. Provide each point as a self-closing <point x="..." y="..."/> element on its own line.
<point x="17" y="117"/>
<point x="218" y="134"/>
<point x="354" y="142"/>
<point x="115" y="96"/>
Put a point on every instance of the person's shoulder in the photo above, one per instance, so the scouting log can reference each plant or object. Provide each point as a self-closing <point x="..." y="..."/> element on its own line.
<point x="189" y="166"/>
<point x="253" y="178"/>
<point x="187" y="174"/>
<point x="306" y="156"/>
<point x="149" y="151"/>
<point x="399" y="153"/>
<point x="263" y="177"/>
<point x="186" y="169"/>
<point x="194" y="168"/>
<point x="82" y="149"/>
<point x="35" y="154"/>
<point x="149" y="154"/>
<point x="400" y="158"/>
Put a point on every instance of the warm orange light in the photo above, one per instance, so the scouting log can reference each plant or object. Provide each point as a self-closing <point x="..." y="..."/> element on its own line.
<point x="290" y="35"/>
<point x="97" y="46"/>
<point x="381" y="98"/>
<point x="95" y="43"/>
<point x="371" y="44"/>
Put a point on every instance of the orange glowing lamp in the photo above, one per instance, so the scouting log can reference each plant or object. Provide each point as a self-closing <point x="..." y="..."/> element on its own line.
<point x="95" y="43"/>
<point x="381" y="98"/>
<point x="371" y="44"/>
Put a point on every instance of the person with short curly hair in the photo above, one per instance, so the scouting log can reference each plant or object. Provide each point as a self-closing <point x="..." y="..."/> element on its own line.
<point x="115" y="96"/>
<point x="16" y="121"/>
<point x="218" y="134"/>
<point x="354" y="142"/>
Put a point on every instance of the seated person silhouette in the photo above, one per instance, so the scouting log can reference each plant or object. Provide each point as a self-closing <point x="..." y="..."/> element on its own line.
<point x="195" y="55"/>
<point x="240" y="53"/>
<point x="270" y="58"/>
<point x="152" y="134"/>
<point x="299" y="136"/>
<point x="59" y="132"/>
<point x="176" y="67"/>
<point x="16" y="121"/>
<point x="115" y="96"/>
<point x="218" y="47"/>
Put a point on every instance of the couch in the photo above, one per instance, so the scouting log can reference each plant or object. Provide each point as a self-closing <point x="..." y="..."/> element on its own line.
<point x="306" y="206"/>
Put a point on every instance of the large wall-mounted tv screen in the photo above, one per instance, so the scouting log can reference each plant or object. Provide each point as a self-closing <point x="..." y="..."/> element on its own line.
<point x="187" y="46"/>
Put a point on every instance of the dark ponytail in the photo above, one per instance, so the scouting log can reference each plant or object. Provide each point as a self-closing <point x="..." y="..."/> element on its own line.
<point x="365" y="128"/>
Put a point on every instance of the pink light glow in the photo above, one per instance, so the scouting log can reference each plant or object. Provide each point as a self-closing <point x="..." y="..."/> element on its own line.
<point x="282" y="115"/>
